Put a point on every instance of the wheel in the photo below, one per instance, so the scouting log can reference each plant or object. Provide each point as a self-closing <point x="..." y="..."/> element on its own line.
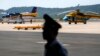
<point x="2" y="22"/>
<point x="8" y="22"/>
<point x="20" y="22"/>
<point x="34" y="28"/>
<point x="18" y="28"/>
<point x="26" y="28"/>
<point x="75" y="22"/>
<point x="69" y="22"/>
<point x="84" y="22"/>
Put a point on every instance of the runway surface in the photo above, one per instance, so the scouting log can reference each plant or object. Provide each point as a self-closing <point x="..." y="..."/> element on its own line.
<point x="16" y="43"/>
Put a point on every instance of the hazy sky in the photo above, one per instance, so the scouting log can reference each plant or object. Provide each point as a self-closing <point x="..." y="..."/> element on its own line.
<point x="6" y="4"/>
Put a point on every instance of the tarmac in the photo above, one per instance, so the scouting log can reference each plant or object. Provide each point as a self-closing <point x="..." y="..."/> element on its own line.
<point x="14" y="43"/>
<point x="79" y="40"/>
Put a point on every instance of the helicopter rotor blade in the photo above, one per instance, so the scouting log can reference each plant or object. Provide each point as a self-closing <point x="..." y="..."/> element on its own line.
<point x="91" y="12"/>
<point x="65" y="12"/>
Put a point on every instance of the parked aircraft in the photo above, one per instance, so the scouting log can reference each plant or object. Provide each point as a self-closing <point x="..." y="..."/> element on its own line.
<point x="77" y="16"/>
<point x="20" y="16"/>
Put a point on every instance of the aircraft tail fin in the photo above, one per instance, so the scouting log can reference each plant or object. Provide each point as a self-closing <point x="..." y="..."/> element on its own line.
<point x="34" y="10"/>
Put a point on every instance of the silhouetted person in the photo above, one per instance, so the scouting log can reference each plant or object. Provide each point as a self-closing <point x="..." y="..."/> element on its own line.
<point x="22" y="19"/>
<point x="31" y="21"/>
<point x="50" y="32"/>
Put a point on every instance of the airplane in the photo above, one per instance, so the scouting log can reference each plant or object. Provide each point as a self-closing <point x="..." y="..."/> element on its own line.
<point x="77" y="16"/>
<point x="33" y="13"/>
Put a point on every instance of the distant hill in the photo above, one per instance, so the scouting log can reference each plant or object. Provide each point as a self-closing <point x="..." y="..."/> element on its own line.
<point x="53" y="11"/>
<point x="40" y="10"/>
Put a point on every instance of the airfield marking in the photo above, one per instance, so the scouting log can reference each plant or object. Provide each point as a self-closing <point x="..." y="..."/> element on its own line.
<point x="43" y="42"/>
<point x="66" y="44"/>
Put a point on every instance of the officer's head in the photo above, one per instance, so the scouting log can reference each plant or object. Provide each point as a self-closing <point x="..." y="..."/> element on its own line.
<point x="50" y="28"/>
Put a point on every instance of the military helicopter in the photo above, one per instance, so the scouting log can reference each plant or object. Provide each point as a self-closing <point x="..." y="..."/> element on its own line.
<point x="76" y="16"/>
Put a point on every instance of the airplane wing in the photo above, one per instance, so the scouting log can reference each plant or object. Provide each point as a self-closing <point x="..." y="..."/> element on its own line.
<point x="30" y="14"/>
